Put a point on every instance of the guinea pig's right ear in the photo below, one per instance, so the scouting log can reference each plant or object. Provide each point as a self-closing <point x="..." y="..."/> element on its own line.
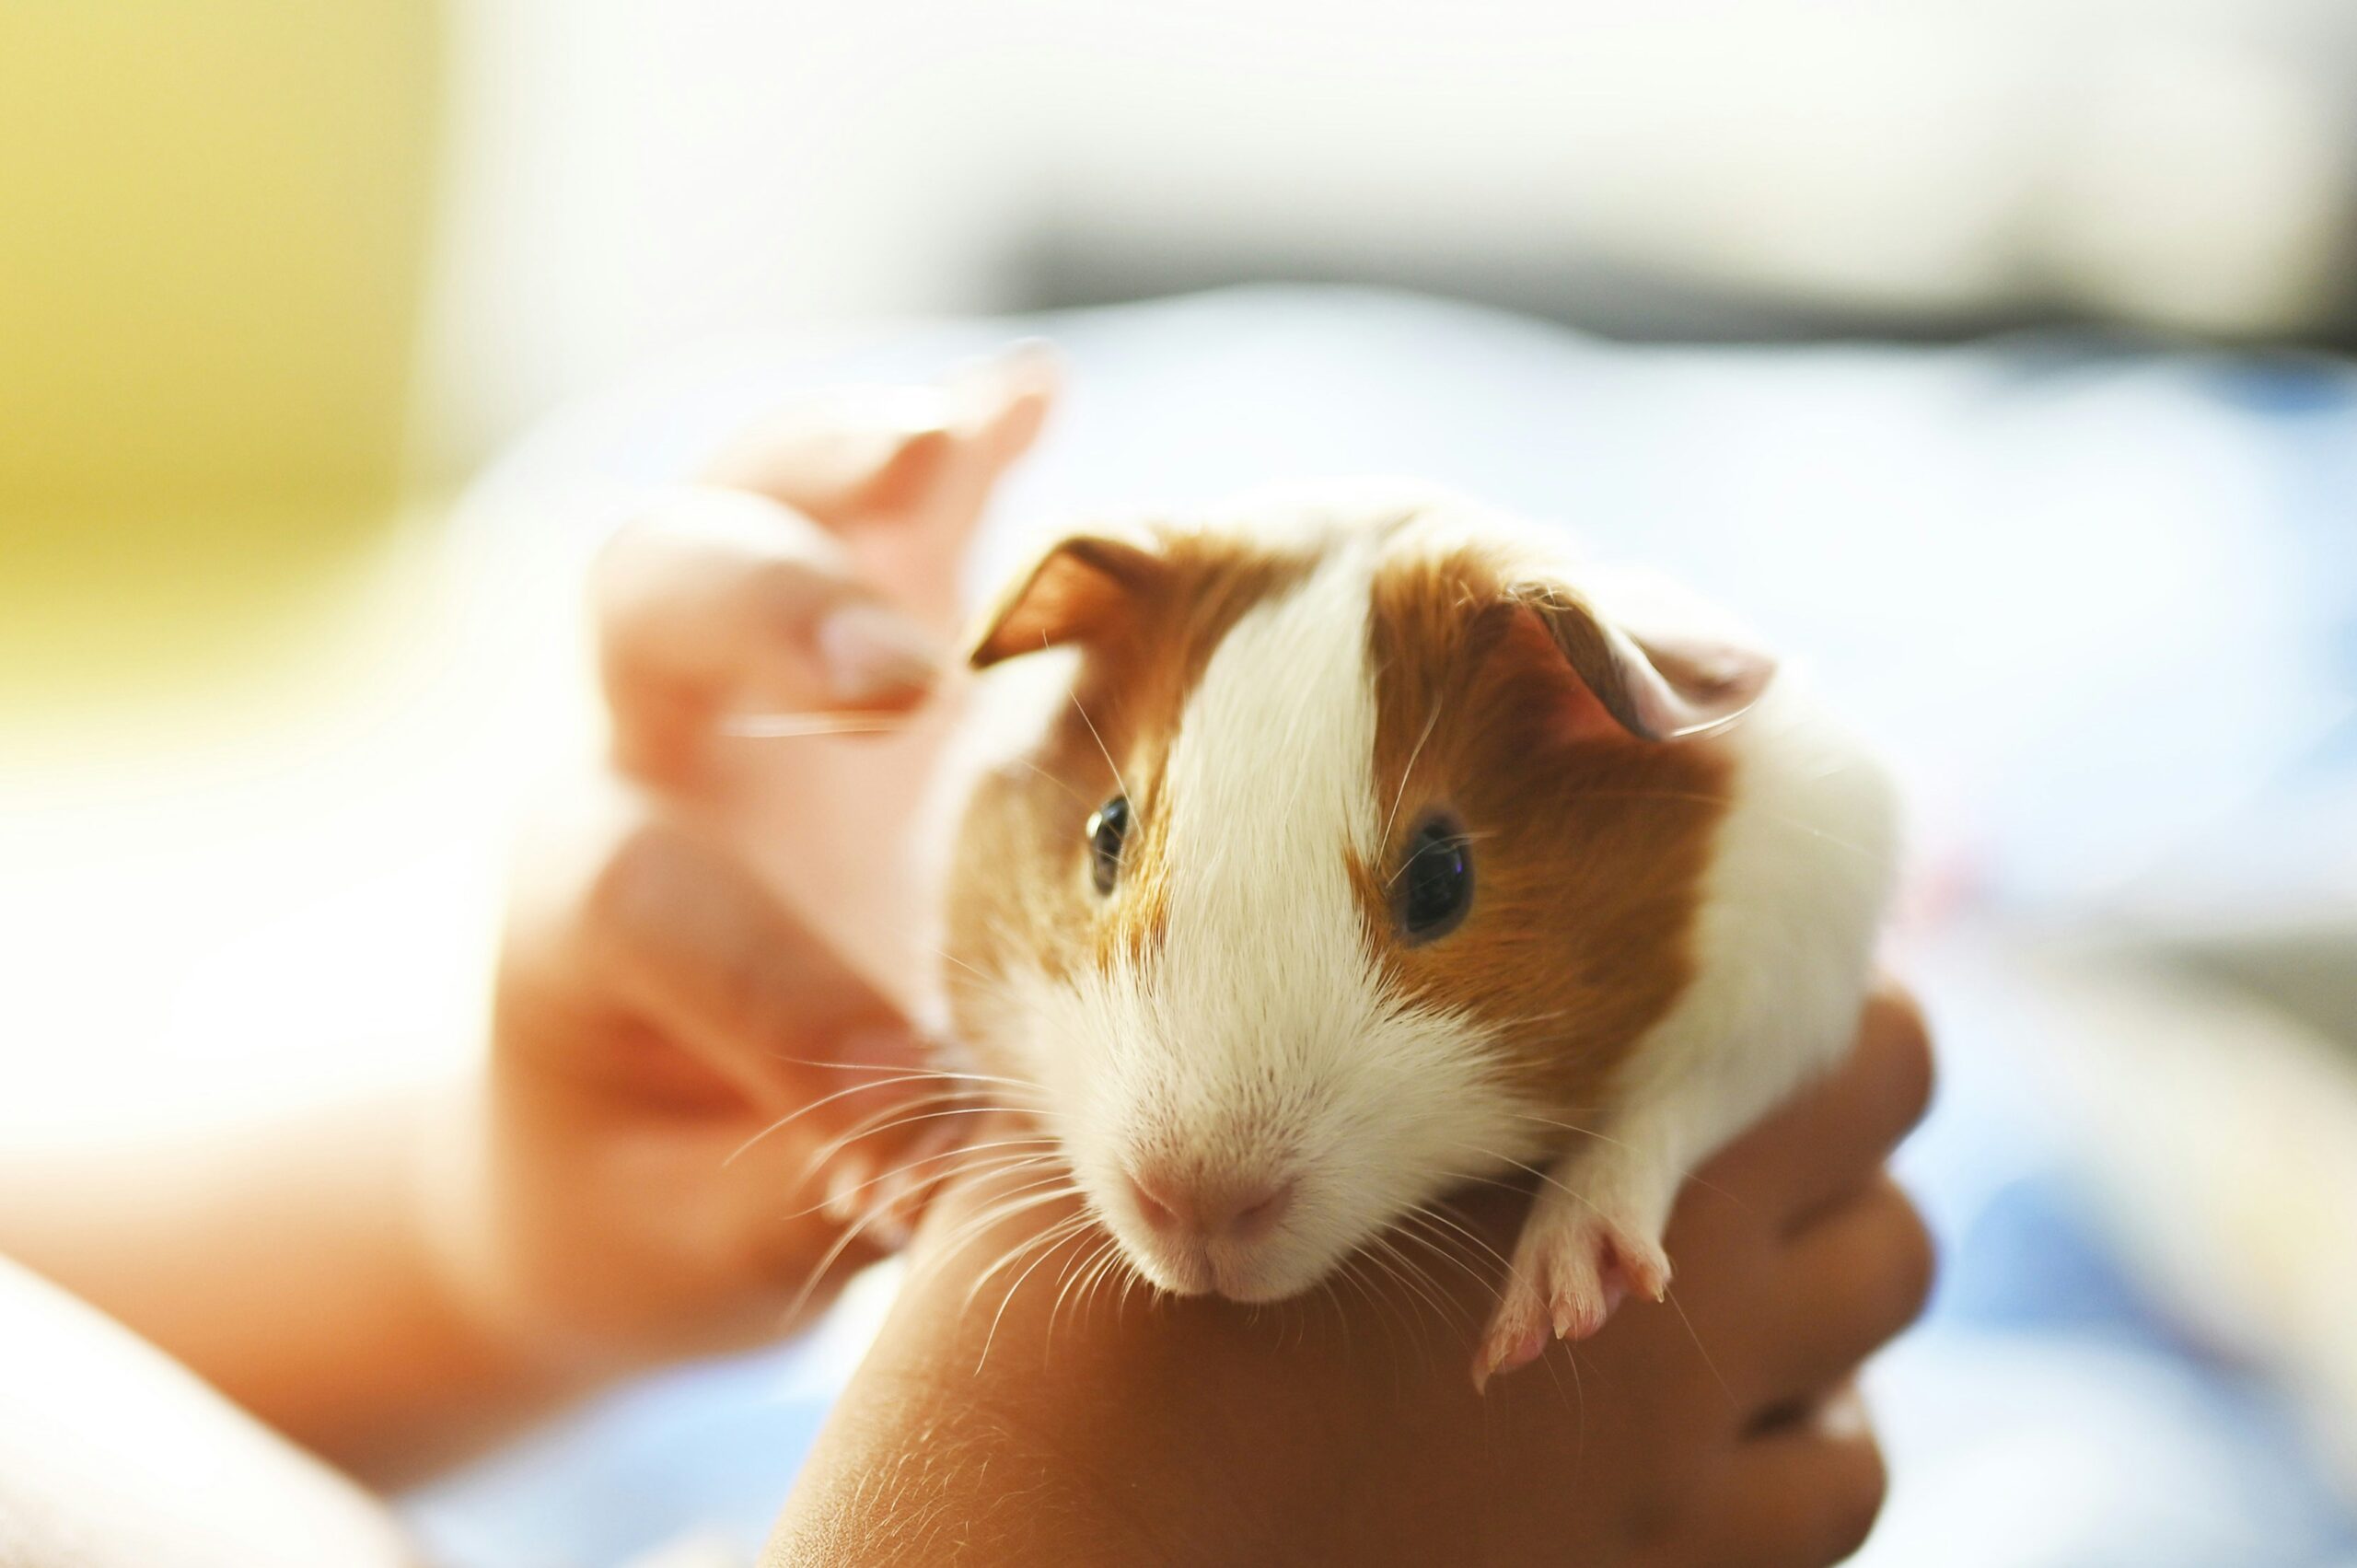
<point x="1662" y="663"/>
<point x="1081" y="589"/>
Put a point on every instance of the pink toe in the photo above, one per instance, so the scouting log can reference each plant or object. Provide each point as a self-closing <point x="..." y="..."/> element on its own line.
<point x="1529" y="1348"/>
<point x="1508" y="1354"/>
<point x="1626" y="1270"/>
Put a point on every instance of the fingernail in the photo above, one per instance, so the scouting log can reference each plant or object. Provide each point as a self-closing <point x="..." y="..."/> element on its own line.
<point x="873" y="656"/>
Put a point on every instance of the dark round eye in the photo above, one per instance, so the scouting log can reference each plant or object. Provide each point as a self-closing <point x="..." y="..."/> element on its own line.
<point x="1108" y="826"/>
<point x="1436" y="881"/>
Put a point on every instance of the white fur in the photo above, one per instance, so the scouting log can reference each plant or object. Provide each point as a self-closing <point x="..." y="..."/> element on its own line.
<point x="1799" y="873"/>
<point x="1258" y="1042"/>
<point x="1005" y="719"/>
<point x="1799" y="877"/>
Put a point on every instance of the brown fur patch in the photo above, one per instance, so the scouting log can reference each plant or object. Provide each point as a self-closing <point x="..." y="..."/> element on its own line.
<point x="1588" y="846"/>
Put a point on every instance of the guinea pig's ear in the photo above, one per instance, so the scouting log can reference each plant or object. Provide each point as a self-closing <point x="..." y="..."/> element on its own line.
<point x="1663" y="665"/>
<point x="1083" y="587"/>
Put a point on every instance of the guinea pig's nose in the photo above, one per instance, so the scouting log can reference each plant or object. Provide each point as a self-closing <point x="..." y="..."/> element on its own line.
<point x="1210" y="1210"/>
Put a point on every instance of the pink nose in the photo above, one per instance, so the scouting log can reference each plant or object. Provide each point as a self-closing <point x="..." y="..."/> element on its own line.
<point x="1210" y="1210"/>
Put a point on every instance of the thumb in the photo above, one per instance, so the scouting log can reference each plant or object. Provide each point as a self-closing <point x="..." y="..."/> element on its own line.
<point x="718" y="602"/>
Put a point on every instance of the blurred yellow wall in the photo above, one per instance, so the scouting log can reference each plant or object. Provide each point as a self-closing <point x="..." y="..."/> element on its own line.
<point x="214" y="220"/>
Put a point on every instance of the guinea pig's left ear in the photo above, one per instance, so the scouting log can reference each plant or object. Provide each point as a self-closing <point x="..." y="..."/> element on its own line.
<point x="1080" y="589"/>
<point x="1664" y="665"/>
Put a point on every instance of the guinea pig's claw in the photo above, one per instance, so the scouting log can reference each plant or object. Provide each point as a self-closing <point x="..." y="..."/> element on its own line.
<point x="1578" y="1316"/>
<point x="1507" y="1351"/>
<point x="1569" y="1277"/>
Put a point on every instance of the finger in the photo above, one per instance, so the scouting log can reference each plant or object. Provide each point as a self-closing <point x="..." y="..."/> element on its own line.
<point x="689" y="939"/>
<point x="1803" y="1496"/>
<point x="858" y="455"/>
<point x="885" y="1179"/>
<point x="1860" y="1276"/>
<point x="720" y="602"/>
<point x="803" y="1193"/>
<point x="1829" y="1141"/>
<point x="804" y="1204"/>
<point x="750" y="1216"/>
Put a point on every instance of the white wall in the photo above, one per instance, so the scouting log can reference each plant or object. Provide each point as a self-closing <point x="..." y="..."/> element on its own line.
<point x="628" y="175"/>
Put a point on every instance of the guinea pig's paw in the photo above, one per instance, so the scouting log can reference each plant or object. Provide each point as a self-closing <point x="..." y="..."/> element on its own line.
<point x="1571" y="1267"/>
<point x="1517" y="1334"/>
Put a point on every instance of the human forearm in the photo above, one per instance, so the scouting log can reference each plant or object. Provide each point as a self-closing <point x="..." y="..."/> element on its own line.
<point x="110" y="1456"/>
<point x="1001" y="1419"/>
<point x="1041" y="1412"/>
<point x="638" y="1174"/>
<point x="290" y="1265"/>
<point x="910" y="1472"/>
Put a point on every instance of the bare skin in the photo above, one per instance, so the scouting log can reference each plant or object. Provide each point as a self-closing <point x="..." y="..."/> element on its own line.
<point x="392" y="1285"/>
<point x="1095" y="1425"/>
<point x="395" y="1284"/>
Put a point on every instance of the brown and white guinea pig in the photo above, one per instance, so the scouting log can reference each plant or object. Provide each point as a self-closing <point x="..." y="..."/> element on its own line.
<point x="1329" y="850"/>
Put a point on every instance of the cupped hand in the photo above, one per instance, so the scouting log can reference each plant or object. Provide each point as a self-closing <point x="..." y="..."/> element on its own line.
<point x="699" y="1029"/>
<point x="1033" y="1409"/>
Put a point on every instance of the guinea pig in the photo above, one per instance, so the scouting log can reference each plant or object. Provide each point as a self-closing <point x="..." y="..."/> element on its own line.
<point x="1331" y="849"/>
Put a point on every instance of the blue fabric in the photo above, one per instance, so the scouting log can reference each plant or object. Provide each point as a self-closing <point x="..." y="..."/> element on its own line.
<point x="2047" y="1411"/>
<point x="710" y="1448"/>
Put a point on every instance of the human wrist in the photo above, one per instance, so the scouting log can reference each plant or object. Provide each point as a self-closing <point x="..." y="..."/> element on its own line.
<point x="468" y="1264"/>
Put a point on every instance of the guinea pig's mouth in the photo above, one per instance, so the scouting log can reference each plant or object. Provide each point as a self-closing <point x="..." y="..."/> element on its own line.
<point x="1205" y="1271"/>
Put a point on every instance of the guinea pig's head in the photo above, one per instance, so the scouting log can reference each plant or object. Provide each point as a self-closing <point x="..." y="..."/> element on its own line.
<point x="1330" y="866"/>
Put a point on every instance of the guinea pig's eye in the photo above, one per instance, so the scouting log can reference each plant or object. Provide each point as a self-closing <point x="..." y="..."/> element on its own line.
<point x="1108" y="826"/>
<point x="1434" y="883"/>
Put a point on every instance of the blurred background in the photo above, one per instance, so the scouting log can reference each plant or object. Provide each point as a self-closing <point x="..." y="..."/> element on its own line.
<point x="1989" y="355"/>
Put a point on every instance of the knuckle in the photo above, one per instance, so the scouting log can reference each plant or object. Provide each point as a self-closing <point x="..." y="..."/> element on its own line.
<point x="623" y="541"/>
<point x="1898" y="1262"/>
<point x="767" y="530"/>
<point x="619" y="569"/>
<point x="715" y="530"/>
<point x="642" y="526"/>
<point x="791" y="585"/>
<point x="1856" y="1497"/>
<point x="1912" y="1260"/>
<point x="1896" y="1030"/>
<point x="909" y="471"/>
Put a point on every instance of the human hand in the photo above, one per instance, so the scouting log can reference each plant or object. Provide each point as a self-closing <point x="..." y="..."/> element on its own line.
<point x="1092" y="1424"/>
<point x="712" y="923"/>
